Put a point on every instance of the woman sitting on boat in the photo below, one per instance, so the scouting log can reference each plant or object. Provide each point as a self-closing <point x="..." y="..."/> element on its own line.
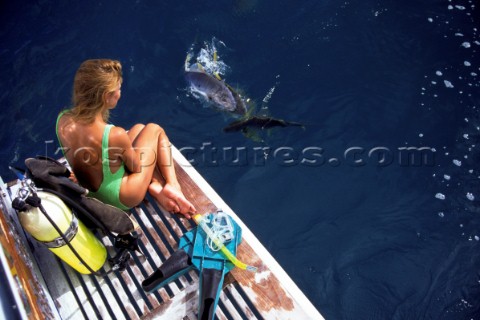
<point x="119" y="167"/>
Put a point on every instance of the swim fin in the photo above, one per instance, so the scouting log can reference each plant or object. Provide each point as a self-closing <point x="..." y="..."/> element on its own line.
<point x="213" y="265"/>
<point x="194" y="251"/>
<point x="211" y="282"/>
<point x="176" y="265"/>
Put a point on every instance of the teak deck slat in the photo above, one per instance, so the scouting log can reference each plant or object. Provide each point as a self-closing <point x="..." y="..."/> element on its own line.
<point x="274" y="299"/>
<point x="268" y="294"/>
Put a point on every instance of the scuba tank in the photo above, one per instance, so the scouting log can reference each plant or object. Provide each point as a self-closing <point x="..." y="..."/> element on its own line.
<point x="48" y="203"/>
<point x="48" y="220"/>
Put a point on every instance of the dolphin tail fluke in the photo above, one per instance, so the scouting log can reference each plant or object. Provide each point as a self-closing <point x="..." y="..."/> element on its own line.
<point x="295" y="124"/>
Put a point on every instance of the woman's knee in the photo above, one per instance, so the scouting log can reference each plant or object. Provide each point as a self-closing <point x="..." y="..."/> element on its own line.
<point x="154" y="127"/>
<point x="137" y="127"/>
<point x="135" y="130"/>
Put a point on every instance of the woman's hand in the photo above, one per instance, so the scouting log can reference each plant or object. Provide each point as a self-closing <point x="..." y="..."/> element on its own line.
<point x="73" y="178"/>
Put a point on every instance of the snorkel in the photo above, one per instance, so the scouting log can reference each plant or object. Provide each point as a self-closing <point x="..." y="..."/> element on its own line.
<point x="198" y="218"/>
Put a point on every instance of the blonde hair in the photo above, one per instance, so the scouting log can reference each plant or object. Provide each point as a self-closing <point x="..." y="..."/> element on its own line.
<point x="93" y="80"/>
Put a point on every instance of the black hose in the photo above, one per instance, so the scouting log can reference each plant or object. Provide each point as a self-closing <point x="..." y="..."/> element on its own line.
<point x="37" y="203"/>
<point x="71" y="203"/>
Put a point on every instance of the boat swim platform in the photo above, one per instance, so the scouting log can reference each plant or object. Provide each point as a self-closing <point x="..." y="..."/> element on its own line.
<point x="46" y="288"/>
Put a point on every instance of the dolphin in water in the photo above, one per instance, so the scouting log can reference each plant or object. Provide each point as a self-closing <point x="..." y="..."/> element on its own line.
<point x="259" y="122"/>
<point x="216" y="91"/>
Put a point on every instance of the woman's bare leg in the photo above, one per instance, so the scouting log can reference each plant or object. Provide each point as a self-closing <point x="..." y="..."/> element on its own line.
<point x="156" y="186"/>
<point x="135" y="184"/>
<point x="171" y="189"/>
<point x="163" y="184"/>
<point x="135" y="131"/>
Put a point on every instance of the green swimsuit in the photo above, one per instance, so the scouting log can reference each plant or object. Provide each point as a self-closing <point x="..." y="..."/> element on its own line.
<point x="109" y="190"/>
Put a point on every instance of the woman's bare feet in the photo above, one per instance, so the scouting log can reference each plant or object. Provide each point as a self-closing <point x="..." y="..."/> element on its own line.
<point x="171" y="199"/>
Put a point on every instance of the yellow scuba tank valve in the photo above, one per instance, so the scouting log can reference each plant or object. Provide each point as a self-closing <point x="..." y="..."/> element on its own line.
<point x="77" y="245"/>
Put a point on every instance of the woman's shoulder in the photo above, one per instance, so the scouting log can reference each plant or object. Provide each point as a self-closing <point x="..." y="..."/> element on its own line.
<point x="77" y="133"/>
<point x="64" y="122"/>
<point x="62" y="114"/>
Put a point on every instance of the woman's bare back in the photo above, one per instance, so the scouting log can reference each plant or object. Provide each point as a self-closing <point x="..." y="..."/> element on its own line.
<point x="82" y="145"/>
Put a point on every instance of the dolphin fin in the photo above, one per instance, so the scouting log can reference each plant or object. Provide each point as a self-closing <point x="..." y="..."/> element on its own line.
<point x="252" y="134"/>
<point x="250" y="112"/>
<point x="200" y="67"/>
<point x="187" y="61"/>
<point x="215" y="58"/>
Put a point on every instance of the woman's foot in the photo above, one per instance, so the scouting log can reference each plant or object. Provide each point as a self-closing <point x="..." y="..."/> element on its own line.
<point x="171" y="199"/>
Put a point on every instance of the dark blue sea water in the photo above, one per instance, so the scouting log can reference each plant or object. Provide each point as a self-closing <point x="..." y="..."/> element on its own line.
<point x="365" y="230"/>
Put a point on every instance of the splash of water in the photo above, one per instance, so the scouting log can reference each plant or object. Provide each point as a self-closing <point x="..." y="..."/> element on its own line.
<point x="268" y="96"/>
<point x="208" y="57"/>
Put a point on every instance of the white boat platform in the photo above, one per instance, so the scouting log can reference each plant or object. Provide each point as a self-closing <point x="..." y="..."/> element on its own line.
<point x="43" y="287"/>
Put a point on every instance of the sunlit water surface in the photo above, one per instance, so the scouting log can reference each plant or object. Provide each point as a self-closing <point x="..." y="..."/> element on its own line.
<point x="363" y="240"/>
